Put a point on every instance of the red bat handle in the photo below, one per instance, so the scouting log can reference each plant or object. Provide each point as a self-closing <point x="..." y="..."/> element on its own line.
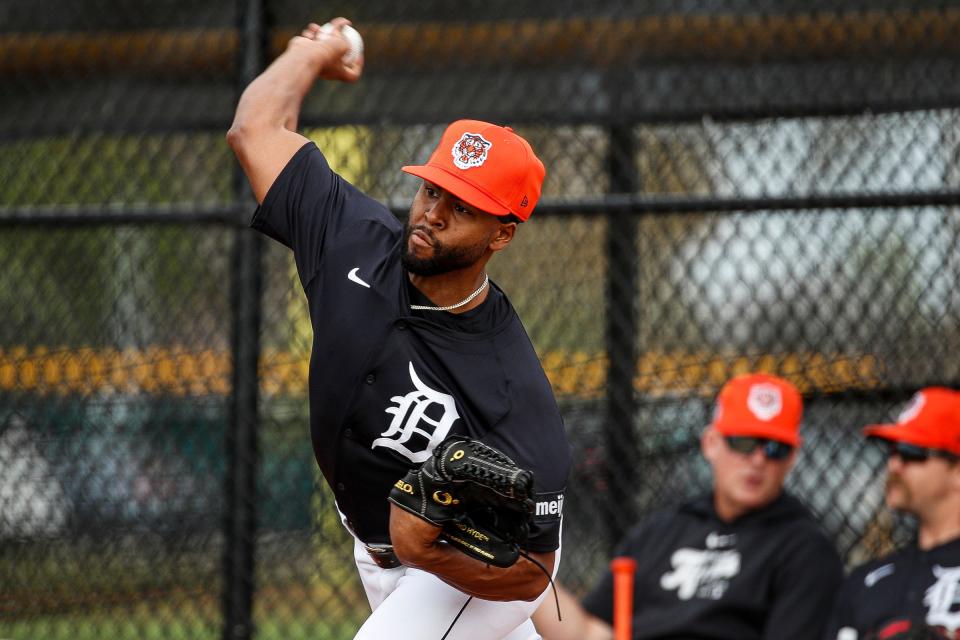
<point x="623" y="569"/>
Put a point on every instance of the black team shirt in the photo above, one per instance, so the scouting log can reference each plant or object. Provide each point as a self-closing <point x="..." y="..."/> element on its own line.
<point x="771" y="574"/>
<point x="911" y="593"/>
<point x="387" y="384"/>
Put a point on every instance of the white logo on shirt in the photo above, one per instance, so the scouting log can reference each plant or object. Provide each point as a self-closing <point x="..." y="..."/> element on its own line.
<point x="700" y="573"/>
<point x="410" y="417"/>
<point x="550" y="507"/>
<point x="943" y="599"/>
<point x="353" y="277"/>
<point x="878" y="574"/>
<point x="715" y="540"/>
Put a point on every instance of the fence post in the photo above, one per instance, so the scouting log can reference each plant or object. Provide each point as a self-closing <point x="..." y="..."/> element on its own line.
<point x="241" y="438"/>
<point x="621" y="334"/>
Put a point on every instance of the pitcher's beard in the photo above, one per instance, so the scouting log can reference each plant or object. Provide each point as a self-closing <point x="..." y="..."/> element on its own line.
<point x="444" y="259"/>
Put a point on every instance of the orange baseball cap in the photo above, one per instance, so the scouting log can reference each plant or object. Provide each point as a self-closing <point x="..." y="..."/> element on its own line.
<point x="487" y="166"/>
<point x="931" y="419"/>
<point x="761" y="406"/>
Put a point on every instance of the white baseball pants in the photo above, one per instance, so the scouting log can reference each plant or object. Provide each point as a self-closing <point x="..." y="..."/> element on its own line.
<point x="410" y="604"/>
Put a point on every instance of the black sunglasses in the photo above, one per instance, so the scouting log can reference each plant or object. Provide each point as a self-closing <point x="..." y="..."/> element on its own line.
<point x="913" y="453"/>
<point x="772" y="449"/>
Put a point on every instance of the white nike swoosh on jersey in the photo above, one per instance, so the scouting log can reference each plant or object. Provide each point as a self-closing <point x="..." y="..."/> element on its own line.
<point x="878" y="574"/>
<point x="353" y="277"/>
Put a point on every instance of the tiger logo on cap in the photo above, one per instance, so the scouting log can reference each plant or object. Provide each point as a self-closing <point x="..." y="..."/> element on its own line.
<point x="470" y="150"/>
<point x="912" y="410"/>
<point x="765" y="401"/>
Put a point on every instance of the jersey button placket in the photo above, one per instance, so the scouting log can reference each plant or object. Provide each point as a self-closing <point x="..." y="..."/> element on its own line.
<point x="371" y="378"/>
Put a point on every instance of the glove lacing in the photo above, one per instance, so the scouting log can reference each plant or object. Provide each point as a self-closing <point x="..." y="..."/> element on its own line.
<point x="526" y="555"/>
<point x="556" y="598"/>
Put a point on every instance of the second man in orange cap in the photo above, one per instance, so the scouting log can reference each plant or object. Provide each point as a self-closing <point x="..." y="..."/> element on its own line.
<point x="915" y="591"/>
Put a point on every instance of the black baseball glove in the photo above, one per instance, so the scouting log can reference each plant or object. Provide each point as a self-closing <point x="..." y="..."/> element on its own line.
<point x="481" y="499"/>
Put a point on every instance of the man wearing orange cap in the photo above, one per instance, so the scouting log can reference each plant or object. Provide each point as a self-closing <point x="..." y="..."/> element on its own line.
<point x="412" y="344"/>
<point x="746" y="561"/>
<point x="913" y="592"/>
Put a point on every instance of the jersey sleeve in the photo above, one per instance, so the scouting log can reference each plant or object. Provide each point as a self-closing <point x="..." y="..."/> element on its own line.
<point x="804" y="588"/>
<point x="532" y="433"/>
<point x="549" y="461"/>
<point x="308" y="205"/>
<point x="550" y="483"/>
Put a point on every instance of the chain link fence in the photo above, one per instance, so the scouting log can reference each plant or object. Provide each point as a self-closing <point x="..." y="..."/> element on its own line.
<point x="732" y="186"/>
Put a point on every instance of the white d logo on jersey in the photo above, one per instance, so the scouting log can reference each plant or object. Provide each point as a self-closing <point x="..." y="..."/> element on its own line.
<point x="701" y="573"/>
<point x="410" y="418"/>
<point x="943" y="599"/>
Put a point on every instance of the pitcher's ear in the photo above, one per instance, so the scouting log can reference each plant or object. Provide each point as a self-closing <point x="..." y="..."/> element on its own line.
<point x="503" y="236"/>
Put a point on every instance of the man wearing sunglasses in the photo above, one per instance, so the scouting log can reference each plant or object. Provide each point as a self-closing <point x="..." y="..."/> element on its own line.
<point x="745" y="561"/>
<point x="913" y="592"/>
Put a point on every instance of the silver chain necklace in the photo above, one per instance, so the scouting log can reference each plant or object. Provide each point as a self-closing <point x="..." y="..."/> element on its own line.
<point x="451" y="307"/>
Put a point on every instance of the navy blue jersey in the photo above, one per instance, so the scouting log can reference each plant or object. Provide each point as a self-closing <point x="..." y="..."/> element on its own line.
<point x="387" y="384"/>
<point x="909" y="593"/>
<point x="770" y="574"/>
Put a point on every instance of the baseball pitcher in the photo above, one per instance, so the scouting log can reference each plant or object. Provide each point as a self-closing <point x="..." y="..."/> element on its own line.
<point x="430" y="415"/>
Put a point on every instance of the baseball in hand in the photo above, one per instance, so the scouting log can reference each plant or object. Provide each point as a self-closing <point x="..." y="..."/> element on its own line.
<point x="353" y="39"/>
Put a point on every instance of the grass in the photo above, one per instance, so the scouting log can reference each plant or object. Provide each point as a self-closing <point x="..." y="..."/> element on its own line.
<point x="141" y="626"/>
<point x="287" y="612"/>
<point x="306" y="588"/>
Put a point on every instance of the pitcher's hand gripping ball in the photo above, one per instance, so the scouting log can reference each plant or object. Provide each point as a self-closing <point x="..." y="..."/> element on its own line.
<point x="481" y="499"/>
<point x="352" y="36"/>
